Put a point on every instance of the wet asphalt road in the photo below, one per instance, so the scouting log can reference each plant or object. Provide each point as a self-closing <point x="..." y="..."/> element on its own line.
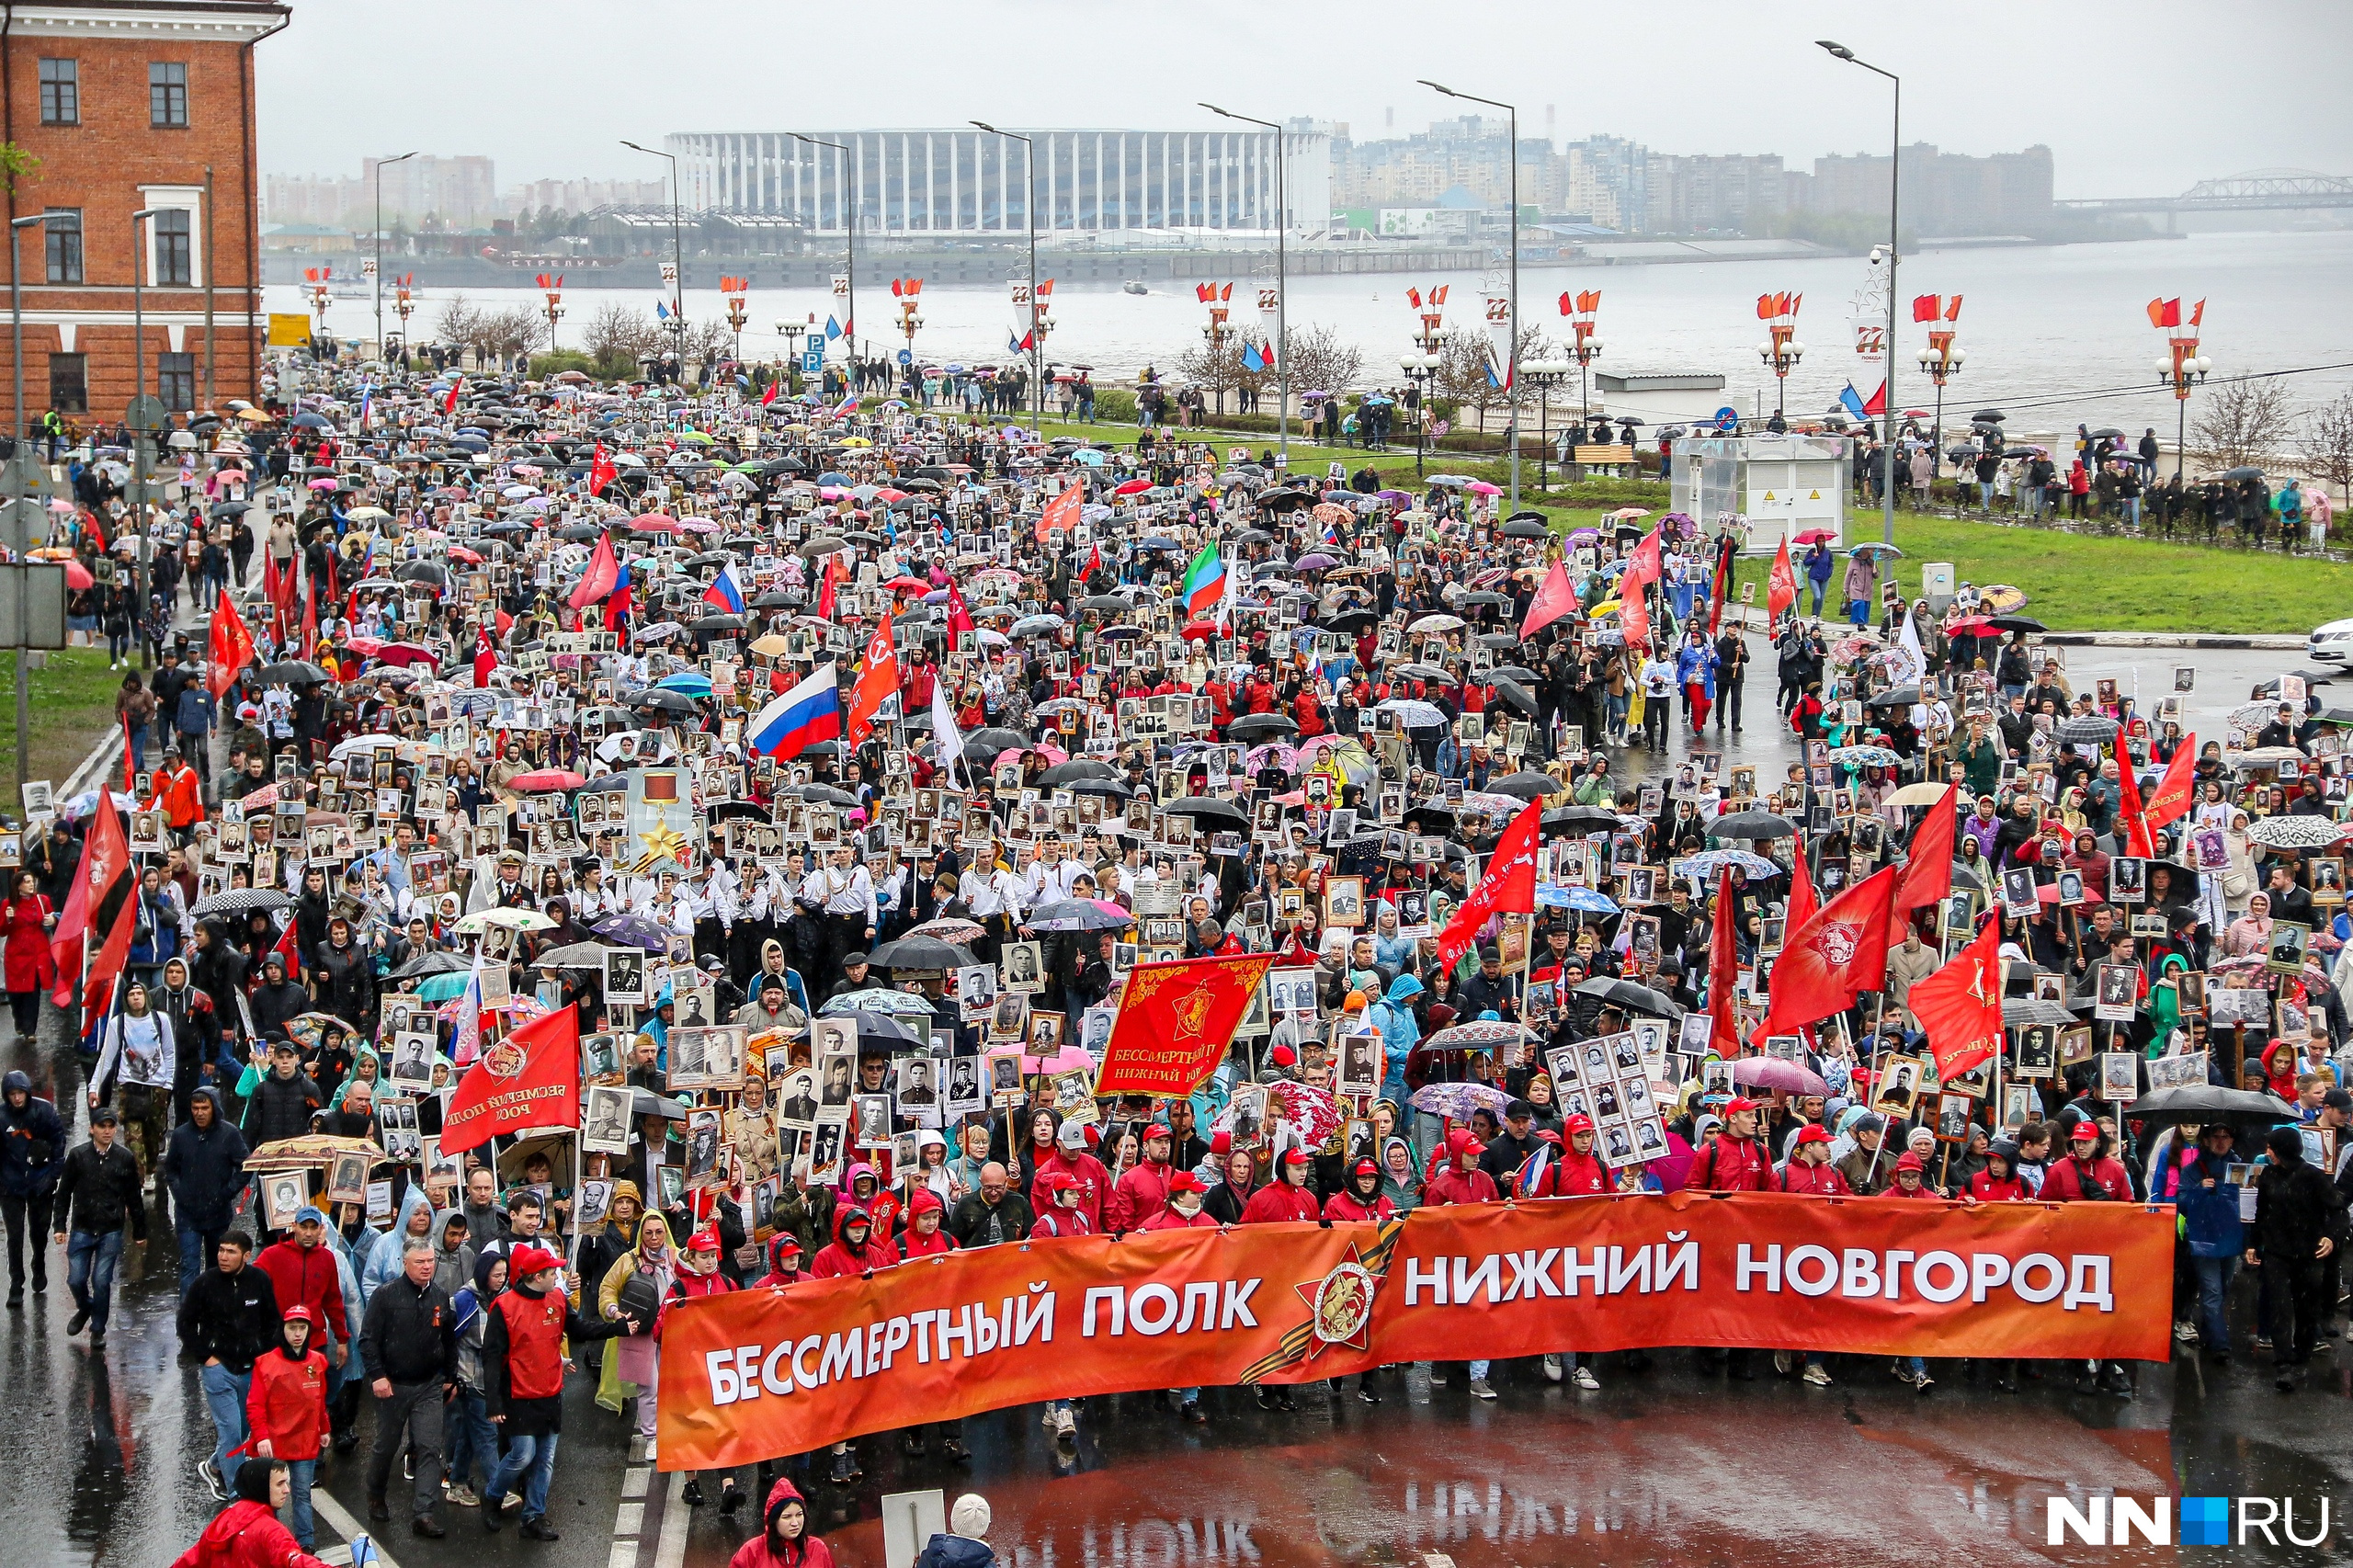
<point x="1671" y="1464"/>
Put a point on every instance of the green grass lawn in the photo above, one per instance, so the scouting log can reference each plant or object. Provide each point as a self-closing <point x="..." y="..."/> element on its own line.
<point x="72" y="705"/>
<point x="2080" y="583"/>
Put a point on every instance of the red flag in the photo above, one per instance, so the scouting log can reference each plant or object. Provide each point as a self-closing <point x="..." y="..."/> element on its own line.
<point x="1175" y="1021"/>
<point x="232" y="648"/>
<point x="959" y="619"/>
<point x="2197" y="316"/>
<point x="485" y="656"/>
<point x="769" y="396"/>
<point x="2171" y="798"/>
<point x="309" y="626"/>
<point x="1802" y="901"/>
<point x="826" y="591"/>
<point x="1509" y="887"/>
<point x="450" y="404"/>
<point x="602" y="470"/>
<point x="1927" y="873"/>
<point x="2136" y="827"/>
<point x="596" y="584"/>
<point x="876" y="681"/>
<point x="1633" y="591"/>
<point x="129" y="767"/>
<point x="2164" y="313"/>
<point x="1876" y="404"/>
<point x="288" y="949"/>
<point x="528" y="1080"/>
<point x="1552" y="601"/>
<point x="1834" y="957"/>
<point x="1723" y="958"/>
<point x="1781" y="584"/>
<point x="1926" y="307"/>
<point x="105" y="884"/>
<point x="1062" y="512"/>
<point x="1961" y="1004"/>
<point x="1952" y="309"/>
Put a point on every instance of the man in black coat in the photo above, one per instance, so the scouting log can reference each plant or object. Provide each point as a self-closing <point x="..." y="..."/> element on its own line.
<point x="409" y="1349"/>
<point x="2299" y="1222"/>
<point x="228" y="1317"/>
<point x="204" y="1165"/>
<point x="32" y="1152"/>
<point x="98" y="1194"/>
<point x="284" y="1100"/>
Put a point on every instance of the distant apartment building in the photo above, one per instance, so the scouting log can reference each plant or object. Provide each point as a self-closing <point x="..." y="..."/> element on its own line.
<point x="1698" y="194"/>
<point x="583" y="195"/>
<point x="1944" y="193"/>
<point x="1469" y="158"/>
<point x="458" y="192"/>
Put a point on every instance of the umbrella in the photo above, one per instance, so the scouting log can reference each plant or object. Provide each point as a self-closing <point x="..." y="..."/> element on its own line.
<point x="1585" y="901"/>
<point x="645" y="1102"/>
<point x="875" y="999"/>
<point x="1866" y="756"/>
<point x="1572" y="817"/>
<point x="1524" y="786"/>
<point x="1457" y="1101"/>
<point x="1756" y="824"/>
<point x="2245" y="471"/>
<point x="2017" y="623"/>
<point x="1633" y="997"/>
<point x="2205" y="1102"/>
<point x="636" y="931"/>
<point x="1412" y="714"/>
<point x="430" y="962"/>
<point x="959" y="932"/>
<point x="2020" y="1012"/>
<point x="1707" y="863"/>
<point x="920" y="953"/>
<point x="1208" y="806"/>
<point x="2297" y="833"/>
<point x="442" y="987"/>
<point x="1253" y="726"/>
<point x="309" y="1149"/>
<point x="1918" y="795"/>
<point x="1080" y="914"/>
<point x="241" y="901"/>
<point x="576" y="955"/>
<point x="294" y="672"/>
<point x="1775" y="1073"/>
<point x="2088" y="727"/>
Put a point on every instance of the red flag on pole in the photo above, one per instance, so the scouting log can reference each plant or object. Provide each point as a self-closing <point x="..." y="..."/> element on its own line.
<point x="485" y="656"/>
<point x="232" y="647"/>
<point x="1723" y="958"/>
<point x="1175" y="1021"/>
<point x="1835" y="958"/>
<point x="602" y="470"/>
<point x="2137" y="840"/>
<point x="1960" y="1005"/>
<point x="1552" y="601"/>
<point x="2170" y="799"/>
<point x="1927" y="873"/>
<point x="104" y="885"/>
<point x="1781" y="585"/>
<point x="528" y="1080"/>
<point x="1509" y="887"/>
<point x="769" y="396"/>
<point x="450" y="404"/>
<point x="877" y="680"/>
<point x="596" y="584"/>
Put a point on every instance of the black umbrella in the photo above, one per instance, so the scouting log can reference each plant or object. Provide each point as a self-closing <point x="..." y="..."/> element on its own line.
<point x="2205" y="1102"/>
<point x="645" y="1102"/>
<point x="294" y="672"/>
<point x="920" y="953"/>
<point x="1348" y="620"/>
<point x="1524" y="528"/>
<point x="668" y="701"/>
<point x="1893" y="696"/>
<point x="826" y="795"/>
<point x="2017" y="623"/>
<point x="1075" y="770"/>
<point x="995" y="738"/>
<point x="1575" y="817"/>
<point x="241" y="901"/>
<point x="1111" y="788"/>
<point x="1515" y="695"/>
<point x="1255" y="726"/>
<point x="1209" y="806"/>
<point x="1633" y="997"/>
<point x="1990" y="415"/>
<point x="1756" y="825"/>
<point x="1526" y="785"/>
<point x="430" y="962"/>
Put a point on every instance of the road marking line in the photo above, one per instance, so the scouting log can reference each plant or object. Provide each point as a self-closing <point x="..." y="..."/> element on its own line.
<point x="324" y="1504"/>
<point x="624" y="1555"/>
<point x="629" y="1519"/>
<point x="671" y="1551"/>
<point x="634" y="1481"/>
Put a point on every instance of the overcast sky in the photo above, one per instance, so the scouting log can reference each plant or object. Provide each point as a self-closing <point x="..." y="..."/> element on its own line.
<point x="2133" y="97"/>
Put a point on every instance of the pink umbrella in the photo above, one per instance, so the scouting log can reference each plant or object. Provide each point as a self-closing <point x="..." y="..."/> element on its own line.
<point x="655" y="522"/>
<point x="1069" y="1059"/>
<point x="700" y="526"/>
<point x="1480" y="487"/>
<point x="322" y="484"/>
<point x="1777" y="1072"/>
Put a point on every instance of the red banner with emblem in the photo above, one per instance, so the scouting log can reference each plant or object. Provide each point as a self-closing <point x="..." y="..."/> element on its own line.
<point x="1174" y="1021"/>
<point x="758" y="1374"/>
<point x="529" y="1081"/>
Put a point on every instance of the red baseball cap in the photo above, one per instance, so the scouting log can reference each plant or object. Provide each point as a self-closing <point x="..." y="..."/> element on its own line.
<point x="1911" y="1163"/>
<point x="1294" y="1157"/>
<point x="526" y="1261"/>
<point x="1057" y="1181"/>
<point x="1283" y="1056"/>
<point x="1737" y="1104"/>
<point x="1811" y="1133"/>
<point x="1185" y="1181"/>
<point x="1364" y="1167"/>
<point x="2084" y="1131"/>
<point x="1580" y="1124"/>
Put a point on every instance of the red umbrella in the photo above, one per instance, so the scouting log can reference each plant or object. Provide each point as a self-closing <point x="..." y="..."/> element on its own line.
<point x="1976" y="629"/>
<point x="405" y="653"/>
<point x="548" y="779"/>
<point x="1133" y="487"/>
<point x="1814" y="536"/>
<point x="1201" y="630"/>
<point x="908" y="585"/>
<point x="77" y="576"/>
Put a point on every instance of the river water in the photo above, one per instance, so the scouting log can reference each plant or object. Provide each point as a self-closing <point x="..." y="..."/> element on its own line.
<point x="2055" y="334"/>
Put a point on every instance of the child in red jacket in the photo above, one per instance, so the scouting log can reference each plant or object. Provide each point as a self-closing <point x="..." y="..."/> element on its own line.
<point x="286" y="1409"/>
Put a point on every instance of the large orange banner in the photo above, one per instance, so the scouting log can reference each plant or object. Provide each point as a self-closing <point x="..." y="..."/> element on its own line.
<point x="756" y="1374"/>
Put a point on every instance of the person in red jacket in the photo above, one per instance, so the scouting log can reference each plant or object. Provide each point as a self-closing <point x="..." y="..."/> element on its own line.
<point x="1810" y="1171"/>
<point x="1732" y="1161"/>
<point x="923" y="1237"/>
<point x="1285" y="1198"/>
<point x="1360" y="1199"/>
<point x="856" y="1249"/>
<point x="785" y="1542"/>
<point x="1087" y="1173"/>
<point x="1910" y="1182"/>
<point x="523" y="1351"/>
<point x="1061" y="1215"/>
<point x="1182" y="1211"/>
<point x="247" y="1533"/>
<point x="784" y="1263"/>
<point x="302" y="1269"/>
<point x="1999" y="1182"/>
<point x="286" y="1411"/>
<point x="1462" y="1181"/>
<point x="2087" y="1172"/>
<point x="1142" y="1193"/>
<point x="1577" y="1172"/>
<point x="697" y="1275"/>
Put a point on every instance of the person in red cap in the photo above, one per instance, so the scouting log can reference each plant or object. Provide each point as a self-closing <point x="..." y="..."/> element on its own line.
<point x="1285" y="1198"/>
<point x="1359" y="1198"/>
<point x="2089" y="1175"/>
<point x="1143" y="1190"/>
<point x="697" y="1277"/>
<point x="1810" y="1171"/>
<point x="784" y="1263"/>
<point x="286" y="1411"/>
<point x="1070" y="1158"/>
<point x="925" y="1237"/>
<point x="1578" y="1171"/>
<point x="856" y="1248"/>
<point x="523" y="1351"/>
<point x="1461" y="1182"/>
<point x="1910" y="1182"/>
<point x="1733" y="1160"/>
<point x="1182" y="1211"/>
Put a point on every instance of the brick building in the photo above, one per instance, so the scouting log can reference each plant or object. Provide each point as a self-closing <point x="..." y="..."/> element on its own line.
<point x="133" y="105"/>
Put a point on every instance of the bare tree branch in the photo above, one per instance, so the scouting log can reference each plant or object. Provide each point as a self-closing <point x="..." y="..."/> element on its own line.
<point x="2242" y="422"/>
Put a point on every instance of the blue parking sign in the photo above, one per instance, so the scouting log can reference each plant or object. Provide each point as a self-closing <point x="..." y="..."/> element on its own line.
<point x="812" y="358"/>
<point x="907" y="356"/>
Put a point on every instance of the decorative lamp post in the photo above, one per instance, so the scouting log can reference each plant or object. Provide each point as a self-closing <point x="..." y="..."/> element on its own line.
<point x="1030" y="299"/>
<point x="319" y="279"/>
<point x="1545" y="375"/>
<point x="736" y="292"/>
<point x="553" y="310"/>
<point x="1282" y="282"/>
<point x="908" y="292"/>
<point x="1422" y="370"/>
<point x="2181" y="367"/>
<point x="1941" y="361"/>
<point x="1219" y="298"/>
<point x="1584" y="344"/>
<point x="404" y="306"/>
<point x="1780" y="352"/>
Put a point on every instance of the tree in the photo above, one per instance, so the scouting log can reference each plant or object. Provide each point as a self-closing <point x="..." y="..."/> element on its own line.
<point x="616" y="335"/>
<point x="2328" y="444"/>
<point x="15" y="164"/>
<point x="2244" y="422"/>
<point x="1320" y="361"/>
<point x="1217" y="372"/>
<point x="457" y="323"/>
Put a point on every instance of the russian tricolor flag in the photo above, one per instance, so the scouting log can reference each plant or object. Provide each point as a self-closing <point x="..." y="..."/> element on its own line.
<point x="810" y="712"/>
<point x="725" y="592"/>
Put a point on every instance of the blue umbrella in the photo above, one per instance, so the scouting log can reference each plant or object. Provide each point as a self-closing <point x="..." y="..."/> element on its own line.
<point x="1585" y="901"/>
<point x="1708" y="862"/>
<point x="830" y="477"/>
<point x="687" y="682"/>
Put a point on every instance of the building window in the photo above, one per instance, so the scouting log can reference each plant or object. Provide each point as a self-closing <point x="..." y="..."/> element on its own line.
<point x="65" y="231"/>
<point x="166" y="94"/>
<point x="178" y="381"/>
<point x="60" y="91"/>
<point x="174" y="266"/>
<point x="69" y="383"/>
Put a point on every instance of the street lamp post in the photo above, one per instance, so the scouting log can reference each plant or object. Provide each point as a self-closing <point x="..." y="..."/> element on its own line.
<point x="737" y="291"/>
<point x="677" y="254"/>
<point x="1585" y="346"/>
<point x="1895" y="193"/>
<point x="1511" y="392"/>
<point x="553" y="310"/>
<point x="1282" y="282"/>
<point x="1422" y="370"/>
<point x="2182" y="368"/>
<point x="1941" y="361"/>
<point x="143" y="442"/>
<point x="381" y="165"/>
<point x="1214" y="334"/>
<point x="402" y="305"/>
<point x="1545" y="375"/>
<point x="17" y="226"/>
<point x="791" y="331"/>
<point x="1029" y="206"/>
<point x="848" y="202"/>
<point x="1782" y="353"/>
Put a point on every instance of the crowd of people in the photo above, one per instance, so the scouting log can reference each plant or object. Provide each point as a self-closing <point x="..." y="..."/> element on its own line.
<point x="837" y="762"/>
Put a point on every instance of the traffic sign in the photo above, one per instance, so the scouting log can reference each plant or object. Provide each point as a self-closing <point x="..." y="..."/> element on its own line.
<point x="812" y="358"/>
<point x="26" y="474"/>
<point x="907" y="356"/>
<point x="147" y="414"/>
<point x="24" y="524"/>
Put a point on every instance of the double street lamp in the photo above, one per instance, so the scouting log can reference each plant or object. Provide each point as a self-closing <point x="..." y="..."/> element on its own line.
<point x="677" y="256"/>
<point x="1941" y="361"/>
<point x="381" y="164"/>
<point x="1422" y="370"/>
<point x="1895" y="193"/>
<point x="1781" y="354"/>
<point x="848" y="200"/>
<point x="1282" y="284"/>
<point x="1545" y="375"/>
<point x="1034" y="329"/>
<point x="2181" y="368"/>
<point x="1511" y="379"/>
